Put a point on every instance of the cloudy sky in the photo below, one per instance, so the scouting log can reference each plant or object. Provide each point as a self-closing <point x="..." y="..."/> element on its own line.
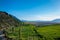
<point x="32" y="9"/>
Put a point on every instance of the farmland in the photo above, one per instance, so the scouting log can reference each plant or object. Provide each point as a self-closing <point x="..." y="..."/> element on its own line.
<point x="30" y="32"/>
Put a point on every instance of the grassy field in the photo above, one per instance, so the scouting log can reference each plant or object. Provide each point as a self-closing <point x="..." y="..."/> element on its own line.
<point x="50" y="32"/>
<point x="30" y="32"/>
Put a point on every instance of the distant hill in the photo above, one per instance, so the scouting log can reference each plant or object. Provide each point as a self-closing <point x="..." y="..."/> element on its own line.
<point x="7" y="20"/>
<point x="56" y="20"/>
<point x="42" y="23"/>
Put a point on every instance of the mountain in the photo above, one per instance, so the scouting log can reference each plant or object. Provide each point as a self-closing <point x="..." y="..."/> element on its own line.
<point x="7" y="20"/>
<point x="42" y="23"/>
<point x="56" y="20"/>
<point x="39" y="23"/>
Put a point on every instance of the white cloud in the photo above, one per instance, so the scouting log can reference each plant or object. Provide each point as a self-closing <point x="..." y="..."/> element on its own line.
<point x="47" y="17"/>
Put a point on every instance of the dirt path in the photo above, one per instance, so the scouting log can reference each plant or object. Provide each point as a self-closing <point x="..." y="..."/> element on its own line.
<point x="2" y="35"/>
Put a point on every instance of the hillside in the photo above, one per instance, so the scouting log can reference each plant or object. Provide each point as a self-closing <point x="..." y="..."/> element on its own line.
<point x="30" y="32"/>
<point x="7" y="20"/>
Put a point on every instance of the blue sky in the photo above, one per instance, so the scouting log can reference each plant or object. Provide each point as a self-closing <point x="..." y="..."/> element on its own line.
<point x="32" y="9"/>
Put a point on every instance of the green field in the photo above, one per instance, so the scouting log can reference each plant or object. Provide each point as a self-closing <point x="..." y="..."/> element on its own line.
<point x="51" y="32"/>
<point x="30" y="32"/>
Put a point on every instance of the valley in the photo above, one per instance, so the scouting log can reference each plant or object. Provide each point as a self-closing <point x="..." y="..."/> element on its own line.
<point x="12" y="28"/>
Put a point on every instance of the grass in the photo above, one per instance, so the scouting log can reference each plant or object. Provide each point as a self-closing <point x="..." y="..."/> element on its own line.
<point x="50" y="32"/>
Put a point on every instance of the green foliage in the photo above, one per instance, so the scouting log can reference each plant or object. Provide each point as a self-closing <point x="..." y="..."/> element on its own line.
<point x="25" y="32"/>
<point x="50" y="32"/>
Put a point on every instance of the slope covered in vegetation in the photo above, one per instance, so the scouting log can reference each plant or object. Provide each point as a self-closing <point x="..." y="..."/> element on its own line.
<point x="7" y="20"/>
<point x="30" y="32"/>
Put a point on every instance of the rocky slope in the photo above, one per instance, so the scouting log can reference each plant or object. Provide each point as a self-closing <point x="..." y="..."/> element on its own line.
<point x="7" y="20"/>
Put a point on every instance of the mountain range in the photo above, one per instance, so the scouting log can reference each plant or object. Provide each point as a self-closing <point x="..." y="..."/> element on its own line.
<point x="40" y="23"/>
